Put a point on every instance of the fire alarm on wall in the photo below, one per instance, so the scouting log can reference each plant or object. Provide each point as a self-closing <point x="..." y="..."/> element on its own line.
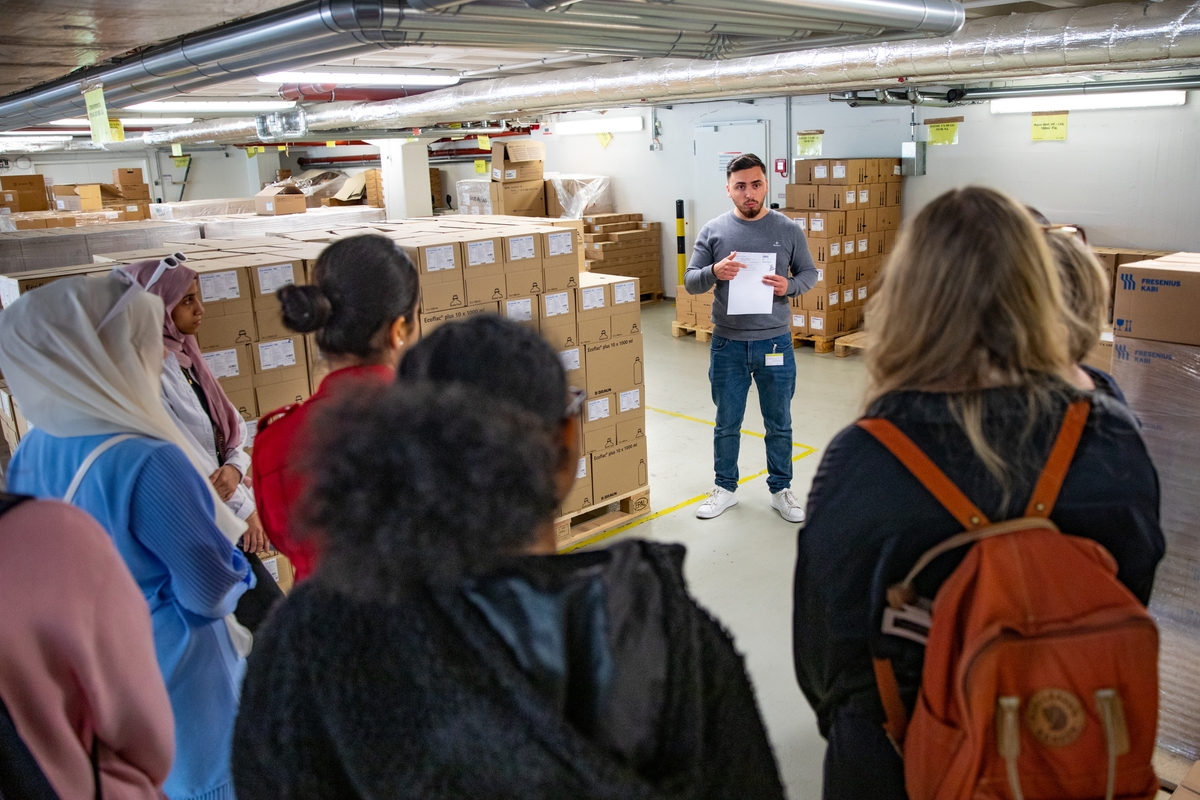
<point x="781" y="166"/>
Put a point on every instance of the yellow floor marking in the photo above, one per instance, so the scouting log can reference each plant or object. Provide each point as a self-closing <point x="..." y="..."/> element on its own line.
<point x="808" y="450"/>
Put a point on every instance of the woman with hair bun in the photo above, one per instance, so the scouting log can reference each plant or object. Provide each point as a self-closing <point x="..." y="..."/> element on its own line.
<point x="361" y="306"/>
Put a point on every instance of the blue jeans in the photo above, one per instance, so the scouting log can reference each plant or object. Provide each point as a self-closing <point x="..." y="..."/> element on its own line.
<point x="731" y="366"/>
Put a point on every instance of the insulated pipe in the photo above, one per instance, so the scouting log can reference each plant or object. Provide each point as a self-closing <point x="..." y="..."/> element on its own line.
<point x="1103" y="87"/>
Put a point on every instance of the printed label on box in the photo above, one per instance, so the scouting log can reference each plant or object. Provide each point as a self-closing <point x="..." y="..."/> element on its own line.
<point x="593" y="297"/>
<point x="839" y="171"/>
<point x="850" y="197"/>
<point x="272" y="566"/>
<point x="623" y="293"/>
<point x="270" y="204"/>
<point x="274" y="355"/>
<point x="480" y="253"/>
<point x="833" y="298"/>
<point x="862" y="293"/>
<point x="849" y="247"/>
<point x="820" y="274"/>
<point x="562" y="244"/>
<point x="862" y="245"/>
<point x="798" y="320"/>
<point x="864" y="195"/>
<point x="817" y="225"/>
<point x="440" y="258"/>
<point x="520" y="310"/>
<point x="569" y="359"/>
<point x="821" y="171"/>
<point x="557" y="304"/>
<point x="223" y="363"/>
<point x="581" y="470"/>
<point x="896" y="169"/>
<point x="62" y="205"/>
<point x="496" y="174"/>
<point x="835" y="249"/>
<point x="817" y="324"/>
<point x="216" y="286"/>
<point x="802" y="222"/>
<point x="631" y="400"/>
<point x="131" y="208"/>
<point x="272" y="278"/>
<point x="510" y="174"/>
<point x="847" y="295"/>
<point x="598" y="409"/>
<point x="521" y="247"/>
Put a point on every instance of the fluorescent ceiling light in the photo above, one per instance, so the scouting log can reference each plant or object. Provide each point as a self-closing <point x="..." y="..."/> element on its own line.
<point x="215" y="106"/>
<point x="1089" y="102"/>
<point x="601" y="125"/>
<point x="134" y="121"/>
<point x="44" y="136"/>
<point x="361" y="78"/>
<point x="19" y="139"/>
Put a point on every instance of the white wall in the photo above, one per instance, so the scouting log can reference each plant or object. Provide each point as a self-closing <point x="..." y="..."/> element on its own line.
<point x="227" y="172"/>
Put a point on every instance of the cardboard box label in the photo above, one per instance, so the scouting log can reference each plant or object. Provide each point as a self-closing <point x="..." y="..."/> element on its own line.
<point x="593" y="298"/>
<point x="864" y="195"/>
<point x="839" y="171"/>
<point x="820" y="275"/>
<point x="569" y="359"/>
<point x="521" y="247"/>
<point x="624" y="293"/>
<point x="835" y="248"/>
<point x="817" y="226"/>
<point x="276" y="277"/>
<point x="864" y="245"/>
<point x="798" y="320"/>
<point x="598" y="409"/>
<point x="821" y="172"/>
<point x="275" y="355"/>
<point x="802" y="222"/>
<point x="850" y="197"/>
<point x="581" y="470"/>
<point x="833" y="298"/>
<point x="480" y="253"/>
<point x="562" y="244"/>
<point x="631" y="400"/>
<point x="847" y="296"/>
<point x="862" y="293"/>
<point x="216" y="286"/>
<point x="816" y="323"/>
<point x="519" y="310"/>
<point x="557" y="304"/>
<point x="270" y="205"/>
<point x="223" y="363"/>
<point x="440" y="258"/>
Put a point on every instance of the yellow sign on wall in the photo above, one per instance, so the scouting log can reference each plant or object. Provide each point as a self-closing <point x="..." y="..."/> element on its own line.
<point x="1050" y="126"/>
<point x="480" y="167"/>
<point x="604" y="139"/>
<point x="177" y="150"/>
<point x="943" y="133"/>
<point x="485" y="142"/>
<point x="808" y="144"/>
<point x="181" y="162"/>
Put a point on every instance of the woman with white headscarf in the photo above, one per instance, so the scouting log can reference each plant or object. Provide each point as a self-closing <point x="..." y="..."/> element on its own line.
<point x="84" y="356"/>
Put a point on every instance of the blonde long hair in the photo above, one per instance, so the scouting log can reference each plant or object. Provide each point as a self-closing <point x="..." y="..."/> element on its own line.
<point x="970" y="300"/>
<point x="1085" y="291"/>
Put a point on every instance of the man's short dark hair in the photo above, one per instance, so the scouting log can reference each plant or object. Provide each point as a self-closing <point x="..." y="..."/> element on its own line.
<point x="748" y="161"/>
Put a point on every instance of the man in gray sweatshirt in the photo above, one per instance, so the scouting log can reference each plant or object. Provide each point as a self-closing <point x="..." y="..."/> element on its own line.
<point x="749" y="346"/>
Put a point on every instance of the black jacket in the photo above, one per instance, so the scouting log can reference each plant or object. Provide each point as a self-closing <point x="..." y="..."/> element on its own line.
<point x="591" y="675"/>
<point x="869" y="520"/>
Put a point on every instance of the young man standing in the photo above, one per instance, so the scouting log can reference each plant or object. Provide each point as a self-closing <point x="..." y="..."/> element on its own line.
<point x="751" y="335"/>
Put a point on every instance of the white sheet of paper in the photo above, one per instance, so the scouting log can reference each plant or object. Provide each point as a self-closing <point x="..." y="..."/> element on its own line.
<point x="747" y="292"/>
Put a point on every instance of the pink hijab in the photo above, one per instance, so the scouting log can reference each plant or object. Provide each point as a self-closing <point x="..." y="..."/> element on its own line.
<point x="171" y="287"/>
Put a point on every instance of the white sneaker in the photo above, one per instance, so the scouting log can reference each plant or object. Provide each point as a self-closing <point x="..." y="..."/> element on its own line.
<point x="787" y="505"/>
<point x="715" y="504"/>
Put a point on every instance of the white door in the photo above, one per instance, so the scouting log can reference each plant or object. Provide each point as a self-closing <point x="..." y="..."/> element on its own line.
<point x="715" y="145"/>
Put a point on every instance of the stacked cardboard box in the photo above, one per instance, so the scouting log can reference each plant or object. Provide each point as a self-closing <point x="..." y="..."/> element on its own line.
<point x="25" y="250"/>
<point x="1156" y="361"/>
<point x="693" y="309"/>
<point x="623" y="244"/>
<point x="850" y="212"/>
<point x="23" y="193"/>
<point x="436" y="189"/>
<point x="516" y="186"/>
<point x="375" y="188"/>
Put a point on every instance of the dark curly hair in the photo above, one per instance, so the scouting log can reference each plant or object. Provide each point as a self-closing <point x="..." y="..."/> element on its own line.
<point x="360" y="284"/>
<point x="422" y="484"/>
<point x="510" y="361"/>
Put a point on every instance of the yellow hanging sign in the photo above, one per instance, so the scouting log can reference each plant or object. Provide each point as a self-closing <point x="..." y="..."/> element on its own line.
<point x="943" y="133"/>
<point x="251" y="152"/>
<point x="97" y="114"/>
<point x="116" y="130"/>
<point x="1050" y="126"/>
<point x="481" y="167"/>
<point x="604" y="138"/>
<point x="808" y="143"/>
<point x="181" y="162"/>
<point x="176" y="150"/>
<point x="485" y="142"/>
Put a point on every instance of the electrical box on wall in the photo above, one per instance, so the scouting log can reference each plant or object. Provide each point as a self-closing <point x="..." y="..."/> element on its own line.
<point x="912" y="158"/>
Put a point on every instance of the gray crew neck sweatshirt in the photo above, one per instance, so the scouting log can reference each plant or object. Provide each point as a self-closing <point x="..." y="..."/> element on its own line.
<point x="773" y="233"/>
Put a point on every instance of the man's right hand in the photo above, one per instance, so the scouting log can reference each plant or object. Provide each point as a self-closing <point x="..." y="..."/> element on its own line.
<point x="727" y="268"/>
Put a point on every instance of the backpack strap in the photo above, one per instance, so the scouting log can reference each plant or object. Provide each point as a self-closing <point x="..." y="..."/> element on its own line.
<point x="1059" y="461"/>
<point x="81" y="473"/>
<point x="928" y="473"/>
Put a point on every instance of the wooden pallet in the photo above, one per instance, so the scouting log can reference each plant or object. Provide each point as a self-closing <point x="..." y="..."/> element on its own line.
<point x="597" y="519"/>
<point x="845" y="345"/>
<point x="652" y="297"/>
<point x="822" y="344"/>
<point x="703" y="333"/>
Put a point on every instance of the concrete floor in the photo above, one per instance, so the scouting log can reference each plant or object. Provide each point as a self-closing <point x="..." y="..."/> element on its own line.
<point x="739" y="565"/>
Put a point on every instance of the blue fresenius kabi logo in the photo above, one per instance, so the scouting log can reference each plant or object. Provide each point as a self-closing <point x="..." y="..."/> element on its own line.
<point x="1121" y="352"/>
<point x="1127" y="282"/>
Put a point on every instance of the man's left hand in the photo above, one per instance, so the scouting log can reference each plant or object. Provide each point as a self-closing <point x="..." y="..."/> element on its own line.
<point x="779" y="282"/>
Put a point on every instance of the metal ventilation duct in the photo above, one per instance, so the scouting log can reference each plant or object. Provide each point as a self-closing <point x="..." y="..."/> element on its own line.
<point x="325" y="30"/>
